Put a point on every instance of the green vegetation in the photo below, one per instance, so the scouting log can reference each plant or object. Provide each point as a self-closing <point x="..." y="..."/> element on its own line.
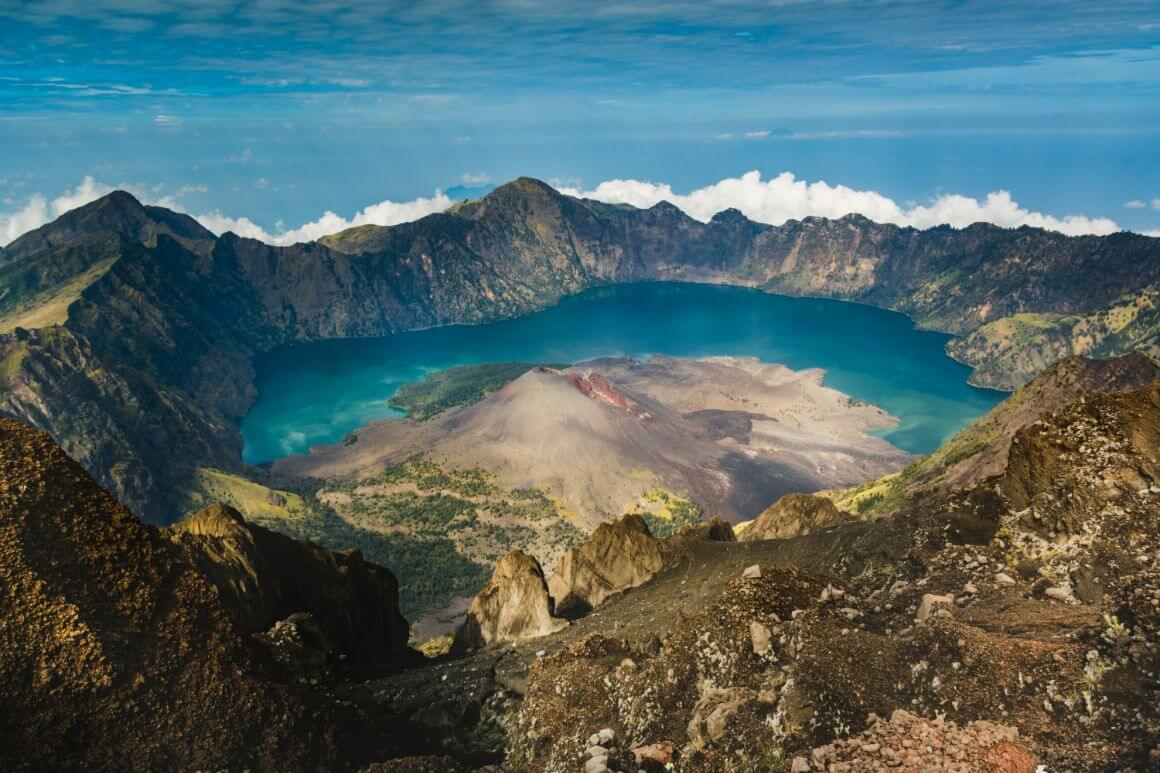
<point x="666" y="513"/>
<point x="251" y="499"/>
<point x="457" y="386"/>
<point x="440" y="530"/>
<point x="429" y="566"/>
<point x="48" y="307"/>
<point x="1011" y="350"/>
<point x="430" y="571"/>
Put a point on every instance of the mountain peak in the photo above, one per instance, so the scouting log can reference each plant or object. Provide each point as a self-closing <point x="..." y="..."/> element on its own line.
<point x="119" y="212"/>
<point x="523" y="187"/>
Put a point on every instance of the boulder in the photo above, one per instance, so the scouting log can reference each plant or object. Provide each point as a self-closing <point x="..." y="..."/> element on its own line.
<point x="619" y="555"/>
<point x="929" y="602"/>
<point x="794" y="515"/>
<point x="714" y="710"/>
<point x="515" y="605"/>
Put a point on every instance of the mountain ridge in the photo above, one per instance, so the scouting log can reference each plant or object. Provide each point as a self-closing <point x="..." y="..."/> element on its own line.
<point x="161" y="345"/>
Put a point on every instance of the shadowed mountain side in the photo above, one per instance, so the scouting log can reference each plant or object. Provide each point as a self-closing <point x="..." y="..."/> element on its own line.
<point x="263" y="577"/>
<point x="212" y="644"/>
<point x="116" y="652"/>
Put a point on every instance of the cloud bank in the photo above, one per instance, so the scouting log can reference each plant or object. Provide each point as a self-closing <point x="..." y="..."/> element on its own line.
<point x="785" y="197"/>
<point x="384" y="213"/>
<point x="772" y="201"/>
<point x="40" y="210"/>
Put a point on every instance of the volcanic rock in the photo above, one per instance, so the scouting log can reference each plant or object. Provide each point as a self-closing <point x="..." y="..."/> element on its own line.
<point x="617" y="556"/>
<point x="262" y="577"/>
<point x="793" y="515"/>
<point x="515" y="605"/>
<point x="115" y="651"/>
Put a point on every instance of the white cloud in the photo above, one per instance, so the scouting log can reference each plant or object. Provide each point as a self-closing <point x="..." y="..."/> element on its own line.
<point x="474" y="179"/>
<point x="1135" y="204"/>
<point x="785" y="197"/>
<point x="757" y="135"/>
<point x="384" y="213"/>
<point x="1155" y="233"/>
<point x="772" y="201"/>
<point x="39" y="210"/>
<point x="1156" y="204"/>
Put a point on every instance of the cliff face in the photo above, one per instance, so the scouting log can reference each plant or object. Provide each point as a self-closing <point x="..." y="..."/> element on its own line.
<point x="151" y="372"/>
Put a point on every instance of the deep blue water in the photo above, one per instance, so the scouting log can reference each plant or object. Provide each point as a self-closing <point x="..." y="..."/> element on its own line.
<point x="318" y="392"/>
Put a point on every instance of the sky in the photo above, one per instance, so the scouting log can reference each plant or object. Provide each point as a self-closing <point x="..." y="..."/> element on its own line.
<point x="287" y="119"/>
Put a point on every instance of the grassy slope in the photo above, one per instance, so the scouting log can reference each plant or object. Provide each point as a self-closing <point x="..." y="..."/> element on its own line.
<point x="51" y="306"/>
<point x="1011" y="350"/>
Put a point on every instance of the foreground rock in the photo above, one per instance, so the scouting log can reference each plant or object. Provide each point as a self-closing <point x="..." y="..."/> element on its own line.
<point x="793" y="515"/>
<point x="915" y="743"/>
<point x="616" y="557"/>
<point x="115" y="652"/>
<point x="954" y="618"/>
<point x="263" y="577"/>
<point x="515" y="605"/>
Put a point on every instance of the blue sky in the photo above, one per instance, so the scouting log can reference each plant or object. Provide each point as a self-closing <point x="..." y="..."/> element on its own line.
<point x="279" y="110"/>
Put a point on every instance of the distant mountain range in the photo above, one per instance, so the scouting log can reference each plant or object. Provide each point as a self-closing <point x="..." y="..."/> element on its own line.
<point x="128" y="332"/>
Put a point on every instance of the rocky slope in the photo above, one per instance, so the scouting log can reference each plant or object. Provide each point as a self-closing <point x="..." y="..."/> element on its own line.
<point x="119" y="652"/>
<point x="1007" y="622"/>
<point x="981" y="449"/>
<point x="149" y="374"/>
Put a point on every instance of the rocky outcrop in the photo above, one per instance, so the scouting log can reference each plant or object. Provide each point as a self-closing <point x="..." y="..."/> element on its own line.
<point x="515" y="605"/>
<point x="263" y="577"/>
<point x="115" y="651"/>
<point x="618" y="556"/>
<point x="793" y="515"/>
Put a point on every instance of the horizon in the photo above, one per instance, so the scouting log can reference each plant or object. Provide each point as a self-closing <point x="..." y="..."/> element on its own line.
<point x="282" y="119"/>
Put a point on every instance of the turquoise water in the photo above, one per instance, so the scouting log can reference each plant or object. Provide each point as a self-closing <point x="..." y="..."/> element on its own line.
<point x="317" y="393"/>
